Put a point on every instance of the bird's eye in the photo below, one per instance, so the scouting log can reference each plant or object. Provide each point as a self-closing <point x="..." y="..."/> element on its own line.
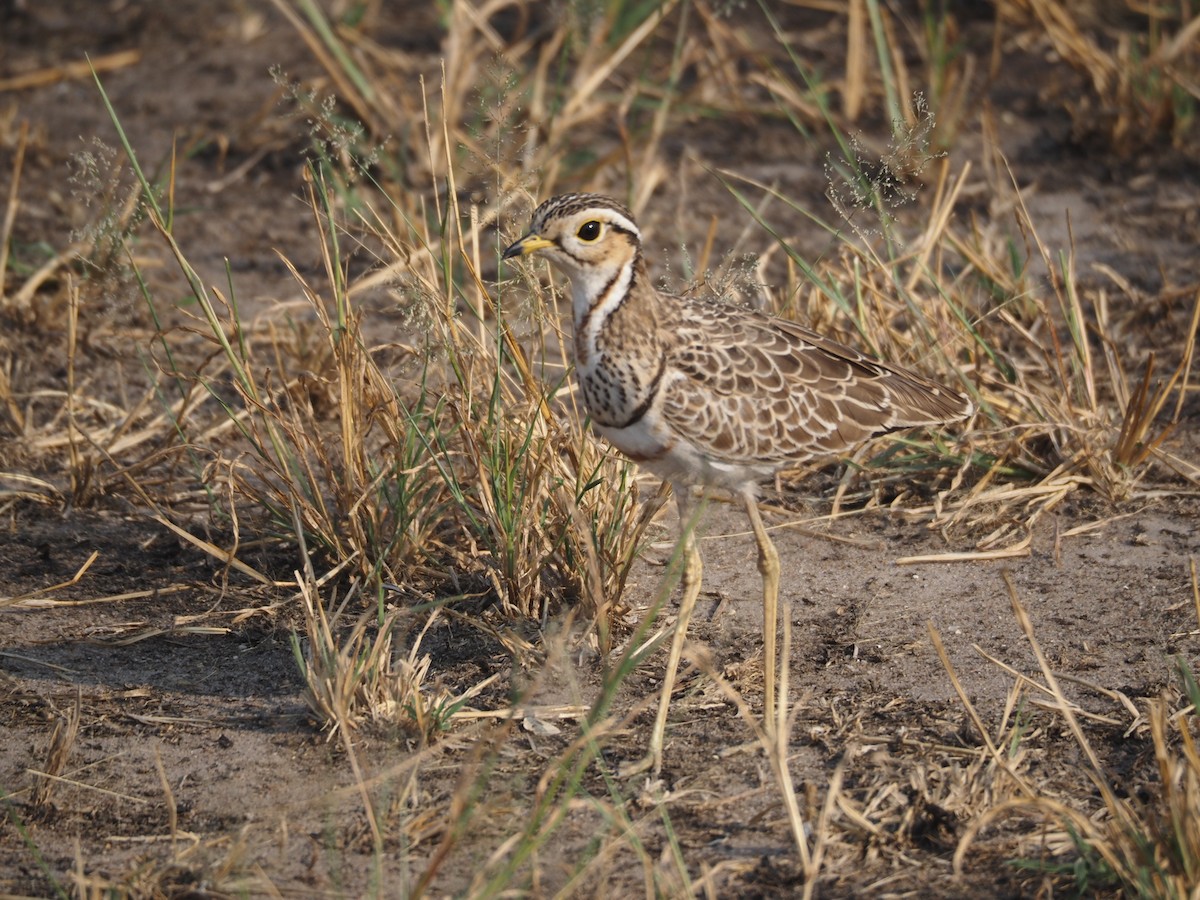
<point x="589" y="230"/>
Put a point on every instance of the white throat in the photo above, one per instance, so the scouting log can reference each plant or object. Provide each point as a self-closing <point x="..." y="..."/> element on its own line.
<point x="595" y="295"/>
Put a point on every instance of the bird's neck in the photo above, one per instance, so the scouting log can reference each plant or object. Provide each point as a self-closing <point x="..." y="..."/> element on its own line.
<point x="600" y="295"/>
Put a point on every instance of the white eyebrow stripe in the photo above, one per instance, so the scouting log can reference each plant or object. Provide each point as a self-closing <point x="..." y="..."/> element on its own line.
<point x="620" y="222"/>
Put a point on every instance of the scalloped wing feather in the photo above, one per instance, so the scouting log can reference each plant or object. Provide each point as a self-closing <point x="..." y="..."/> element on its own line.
<point x="750" y="389"/>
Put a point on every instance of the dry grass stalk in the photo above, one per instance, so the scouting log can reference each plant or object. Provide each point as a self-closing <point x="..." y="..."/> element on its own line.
<point x="77" y="70"/>
<point x="38" y="596"/>
<point x="10" y="208"/>
<point x="62" y="742"/>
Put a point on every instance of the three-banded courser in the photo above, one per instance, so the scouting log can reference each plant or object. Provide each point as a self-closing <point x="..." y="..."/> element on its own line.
<point x="702" y="392"/>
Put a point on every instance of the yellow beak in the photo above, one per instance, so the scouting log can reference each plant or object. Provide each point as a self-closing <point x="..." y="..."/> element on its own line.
<point x="531" y="243"/>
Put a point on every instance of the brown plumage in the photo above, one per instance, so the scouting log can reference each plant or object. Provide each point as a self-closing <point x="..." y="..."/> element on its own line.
<point x="703" y="392"/>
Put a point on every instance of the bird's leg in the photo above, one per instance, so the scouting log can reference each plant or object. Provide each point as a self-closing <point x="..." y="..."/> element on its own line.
<point x="768" y="566"/>
<point x="690" y="582"/>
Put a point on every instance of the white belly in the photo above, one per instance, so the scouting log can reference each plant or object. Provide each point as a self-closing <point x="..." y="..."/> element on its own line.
<point x="652" y="445"/>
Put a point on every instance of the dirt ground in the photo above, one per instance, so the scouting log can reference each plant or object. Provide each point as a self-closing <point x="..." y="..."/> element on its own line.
<point x="198" y="770"/>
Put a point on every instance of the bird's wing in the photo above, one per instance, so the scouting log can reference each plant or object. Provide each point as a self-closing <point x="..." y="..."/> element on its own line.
<point x="747" y="388"/>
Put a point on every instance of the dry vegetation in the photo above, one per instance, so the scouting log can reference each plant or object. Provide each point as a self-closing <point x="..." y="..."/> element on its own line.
<point x="364" y="491"/>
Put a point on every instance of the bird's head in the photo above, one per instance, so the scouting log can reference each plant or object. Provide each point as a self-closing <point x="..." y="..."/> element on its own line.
<point x="589" y="236"/>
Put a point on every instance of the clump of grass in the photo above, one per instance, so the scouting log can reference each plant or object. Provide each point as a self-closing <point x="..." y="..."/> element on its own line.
<point x="358" y="674"/>
<point x="459" y="460"/>
<point x="1141" y="70"/>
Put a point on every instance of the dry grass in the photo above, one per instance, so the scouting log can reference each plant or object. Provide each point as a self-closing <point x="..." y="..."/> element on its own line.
<point x="455" y="462"/>
<point x="1139" y="63"/>
<point x="1143" y="839"/>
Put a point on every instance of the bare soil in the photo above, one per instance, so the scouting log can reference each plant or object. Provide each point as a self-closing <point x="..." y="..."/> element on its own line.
<point x="198" y="769"/>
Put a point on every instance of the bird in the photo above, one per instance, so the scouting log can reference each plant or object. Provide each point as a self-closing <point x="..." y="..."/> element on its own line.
<point x="703" y="392"/>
